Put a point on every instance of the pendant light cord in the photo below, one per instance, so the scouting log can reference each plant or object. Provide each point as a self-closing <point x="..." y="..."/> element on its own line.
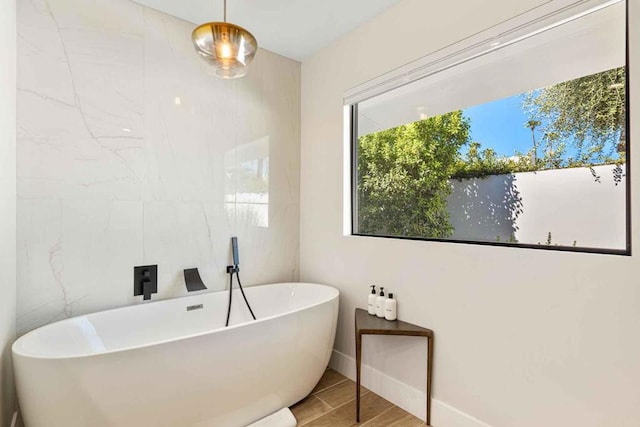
<point x="225" y="10"/>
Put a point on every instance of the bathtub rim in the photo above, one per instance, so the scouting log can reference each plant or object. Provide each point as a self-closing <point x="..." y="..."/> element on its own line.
<point x="15" y="351"/>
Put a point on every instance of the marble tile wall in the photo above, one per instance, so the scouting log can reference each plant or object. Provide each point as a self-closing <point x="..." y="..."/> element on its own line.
<point x="131" y="153"/>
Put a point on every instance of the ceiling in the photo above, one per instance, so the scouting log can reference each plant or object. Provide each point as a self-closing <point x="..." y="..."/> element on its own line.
<point x="293" y="28"/>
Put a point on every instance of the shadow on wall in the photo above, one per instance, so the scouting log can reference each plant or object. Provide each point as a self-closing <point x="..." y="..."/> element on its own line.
<point x="485" y="209"/>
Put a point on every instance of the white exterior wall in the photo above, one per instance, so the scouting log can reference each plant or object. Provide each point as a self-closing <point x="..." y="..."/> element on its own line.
<point x="523" y="337"/>
<point x="568" y="203"/>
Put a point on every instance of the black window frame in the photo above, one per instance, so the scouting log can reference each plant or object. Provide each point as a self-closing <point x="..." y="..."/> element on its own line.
<point x="353" y="133"/>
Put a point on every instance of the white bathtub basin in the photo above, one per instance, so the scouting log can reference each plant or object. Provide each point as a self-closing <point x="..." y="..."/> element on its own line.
<point x="158" y="364"/>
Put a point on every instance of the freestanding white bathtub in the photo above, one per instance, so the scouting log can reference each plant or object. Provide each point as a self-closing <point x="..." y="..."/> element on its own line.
<point x="173" y="363"/>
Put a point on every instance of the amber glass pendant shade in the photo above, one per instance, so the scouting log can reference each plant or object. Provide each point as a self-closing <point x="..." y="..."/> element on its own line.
<point x="227" y="48"/>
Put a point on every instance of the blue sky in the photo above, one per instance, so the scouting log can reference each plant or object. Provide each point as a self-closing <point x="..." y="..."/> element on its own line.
<point x="500" y="125"/>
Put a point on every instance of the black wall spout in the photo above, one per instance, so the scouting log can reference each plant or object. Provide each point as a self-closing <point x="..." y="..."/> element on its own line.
<point x="193" y="280"/>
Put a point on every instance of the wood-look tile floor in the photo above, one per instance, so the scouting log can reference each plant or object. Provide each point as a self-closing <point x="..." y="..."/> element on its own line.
<point x="332" y="403"/>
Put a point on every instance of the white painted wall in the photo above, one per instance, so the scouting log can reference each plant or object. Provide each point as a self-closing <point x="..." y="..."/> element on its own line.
<point x="7" y="204"/>
<point x="523" y="337"/>
<point x="591" y="44"/>
<point x="125" y="153"/>
<point x="568" y="203"/>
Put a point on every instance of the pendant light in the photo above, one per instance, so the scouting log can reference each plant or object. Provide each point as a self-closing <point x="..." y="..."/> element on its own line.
<point x="228" y="48"/>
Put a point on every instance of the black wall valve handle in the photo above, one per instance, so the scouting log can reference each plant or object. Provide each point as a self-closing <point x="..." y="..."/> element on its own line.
<point x="145" y="281"/>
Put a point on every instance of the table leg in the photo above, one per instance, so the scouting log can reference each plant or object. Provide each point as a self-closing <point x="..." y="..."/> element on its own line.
<point x="429" y="375"/>
<point x="358" y="366"/>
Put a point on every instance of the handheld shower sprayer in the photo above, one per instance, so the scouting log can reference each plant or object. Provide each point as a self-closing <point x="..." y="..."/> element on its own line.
<point x="236" y="257"/>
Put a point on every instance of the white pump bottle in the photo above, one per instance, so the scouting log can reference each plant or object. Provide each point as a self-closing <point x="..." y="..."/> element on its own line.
<point x="380" y="303"/>
<point x="371" y="303"/>
<point x="390" y="308"/>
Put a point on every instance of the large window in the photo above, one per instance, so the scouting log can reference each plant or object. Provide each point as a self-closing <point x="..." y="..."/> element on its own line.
<point x="519" y="140"/>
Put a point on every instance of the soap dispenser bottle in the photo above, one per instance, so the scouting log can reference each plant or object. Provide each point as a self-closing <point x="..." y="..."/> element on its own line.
<point x="371" y="306"/>
<point x="380" y="303"/>
<point x="390" y="308"/>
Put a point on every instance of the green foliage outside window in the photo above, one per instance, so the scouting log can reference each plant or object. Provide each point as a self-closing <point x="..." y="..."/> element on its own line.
<point x="479" y="163"/>
<point x="587" y="113"/>
<point x="403" y="173"/>
<point x="403" y="177"/>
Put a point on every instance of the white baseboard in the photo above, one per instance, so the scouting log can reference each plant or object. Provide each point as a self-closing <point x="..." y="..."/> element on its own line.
<point x="400" y="394"/>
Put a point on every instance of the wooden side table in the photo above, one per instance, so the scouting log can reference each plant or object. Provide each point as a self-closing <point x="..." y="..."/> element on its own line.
<point x="373" y="325"/>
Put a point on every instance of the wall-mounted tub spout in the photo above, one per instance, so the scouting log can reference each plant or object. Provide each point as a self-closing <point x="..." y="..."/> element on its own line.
<point x="193" y="280"/>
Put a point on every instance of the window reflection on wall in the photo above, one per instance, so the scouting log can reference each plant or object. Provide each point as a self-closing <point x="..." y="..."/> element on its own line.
<point x="247" y="182"/>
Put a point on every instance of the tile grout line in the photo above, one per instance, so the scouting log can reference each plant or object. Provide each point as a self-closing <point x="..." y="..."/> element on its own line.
<point x="348" y="401"/>
<point x="332" y="408"/>
<point x="328" y="387"/>
<point x="379" y="415"/>
<point x="321" y="415"/>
